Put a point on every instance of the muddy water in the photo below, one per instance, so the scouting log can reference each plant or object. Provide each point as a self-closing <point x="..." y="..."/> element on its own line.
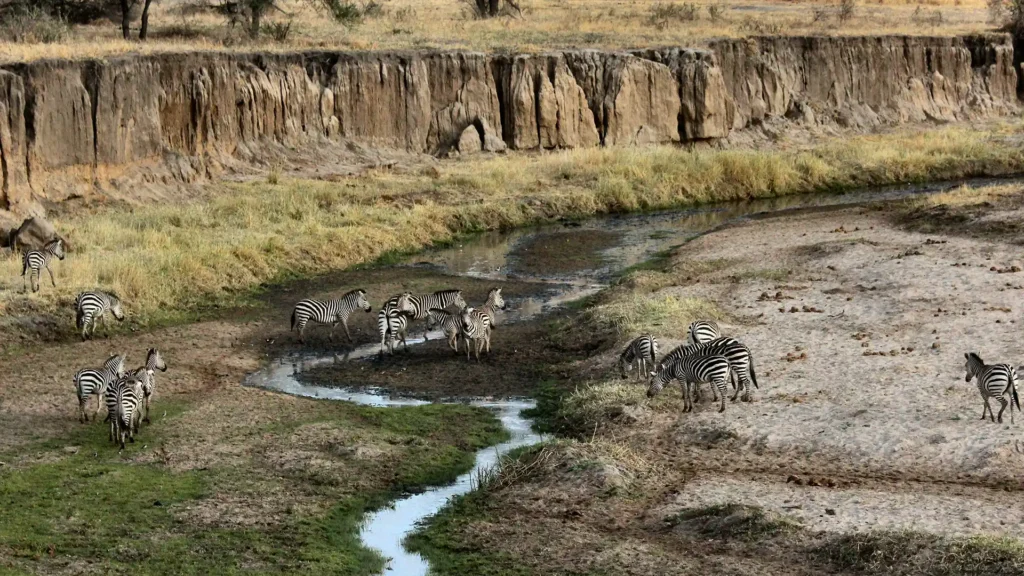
<point x="569" y="261"/>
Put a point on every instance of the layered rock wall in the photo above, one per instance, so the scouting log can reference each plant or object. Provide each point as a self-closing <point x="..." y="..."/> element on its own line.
<point x="77" y="127"/>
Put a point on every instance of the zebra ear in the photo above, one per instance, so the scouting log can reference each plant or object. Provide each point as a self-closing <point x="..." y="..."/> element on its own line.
<point x="967" y="356"/>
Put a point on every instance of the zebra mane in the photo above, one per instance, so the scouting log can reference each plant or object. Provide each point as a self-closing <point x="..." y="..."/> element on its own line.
<point x="351" y="292"/>
<point x="113" y="297"/>
<point x="971" y="356"/>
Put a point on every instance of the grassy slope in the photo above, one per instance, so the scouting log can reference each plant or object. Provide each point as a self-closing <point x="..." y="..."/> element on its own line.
<point x="166" y="259"/>
<point x="98" y="510"/>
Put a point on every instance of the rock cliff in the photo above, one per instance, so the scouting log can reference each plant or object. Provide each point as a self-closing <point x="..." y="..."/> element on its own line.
<point x="79" y="127"/>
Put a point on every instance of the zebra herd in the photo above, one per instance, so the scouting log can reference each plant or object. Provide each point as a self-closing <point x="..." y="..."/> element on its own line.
<point x="126" y="394"/>
<point x="706" y="357"/>
<point x="444" y="309"/>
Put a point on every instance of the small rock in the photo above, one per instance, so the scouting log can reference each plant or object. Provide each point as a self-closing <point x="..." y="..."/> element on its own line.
<point x="830" y="511"/>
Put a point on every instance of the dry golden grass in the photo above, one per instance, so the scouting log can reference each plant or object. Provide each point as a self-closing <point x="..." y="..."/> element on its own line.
<point x="545" y="25"/>
<point x="173" y="257"/>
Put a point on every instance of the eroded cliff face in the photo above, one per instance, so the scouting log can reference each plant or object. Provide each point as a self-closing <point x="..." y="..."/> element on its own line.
<point x="80" y="127"/>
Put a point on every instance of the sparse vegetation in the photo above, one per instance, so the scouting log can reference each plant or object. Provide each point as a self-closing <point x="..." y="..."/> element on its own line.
<point x="33" y="25"/>
<point x="906" y="553"/>
<point x="734" y="521"/>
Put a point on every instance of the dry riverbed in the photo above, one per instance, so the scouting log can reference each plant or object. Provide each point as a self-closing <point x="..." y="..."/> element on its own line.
<point x="863" y="451"/>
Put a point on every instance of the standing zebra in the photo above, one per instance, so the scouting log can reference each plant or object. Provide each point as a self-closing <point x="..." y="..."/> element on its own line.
<point x="154" y="362"/>
<point x="92" y="306"/>
<point x="995" y="381"/>
<point x="701" y="331"/>
<point x="126" y="394"/>
<point x="693" y="370"/>
<point x="89" y="382"/>
<point x="477" y="322"/>
<point x="34" y="261"/>
<point x="391" y="317"/>
<point x="419" y="307"/>
<point x="641" y="350"/>
<point x="329" y="312"/>
<point x="450" y="324"/>
<point x="740" y="359"/>
<point x="476" y="331"/>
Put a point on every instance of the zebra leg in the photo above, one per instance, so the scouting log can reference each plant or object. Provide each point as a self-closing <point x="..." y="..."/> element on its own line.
<point x="146" y="406"/>
<point x="720" y="384"/>
<point x="82" y="417"/>
<point x="51" y="276"/>
<point x="1002" y="402"/>
<point x="344" y="324"/>
<point x="302" y="332"/>
<point x="989" y="408"/>
<point x="330" y="333"/>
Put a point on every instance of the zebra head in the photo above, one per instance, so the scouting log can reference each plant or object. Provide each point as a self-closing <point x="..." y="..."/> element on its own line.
<point x="434" y="317"/>
<point x="154" y="361"/>
<point x="362" y="302"/>
<point x="56" y="247"/>
<point x="459" y="300"/>
<point x="974" y="365"/>
<point x="494" y="298"/>
<point x="405" y="304"/>
<point x="658" y="380"/>
<point x="115" y="364"/>
<point x="115" y="307"/>
<point x="626" y="363"/>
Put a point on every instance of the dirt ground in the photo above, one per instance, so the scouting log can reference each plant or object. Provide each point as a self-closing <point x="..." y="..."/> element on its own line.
<point x="863" y="423"/>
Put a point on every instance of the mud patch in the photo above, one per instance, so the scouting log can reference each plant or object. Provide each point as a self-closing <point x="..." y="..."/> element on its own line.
<point x="562" y="253"/>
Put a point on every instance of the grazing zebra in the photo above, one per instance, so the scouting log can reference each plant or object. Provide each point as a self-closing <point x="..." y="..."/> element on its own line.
<point x="34" y="261"/>
<point x="641" y="350"/>
<point x="693" y="370"/>
<point x="701" y="331"/>
<point x="740" y="359"/>
<point x="92" y="306"/>
<point x="418" y="307"/>
<point x="89" y="382"/>
<point x="126" y="394"/>
<point x="450" y="324"/>
<point x="995" y="381"/>
<point x="154" y="362"/>
<point x="329" y="312"/>
<point x="476" y="330"/>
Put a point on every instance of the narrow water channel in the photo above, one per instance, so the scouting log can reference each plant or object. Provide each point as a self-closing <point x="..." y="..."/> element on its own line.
<point x="624" y="241"/>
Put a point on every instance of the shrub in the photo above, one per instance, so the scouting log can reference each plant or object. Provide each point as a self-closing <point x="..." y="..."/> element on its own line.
<point x="344" y="12"/>
<point x="847" y="10"/>
<point x="715" y="12"/>
<point x="663" y="14"/>
<point x="33" y="25"/>
<point x="279" y="31"/>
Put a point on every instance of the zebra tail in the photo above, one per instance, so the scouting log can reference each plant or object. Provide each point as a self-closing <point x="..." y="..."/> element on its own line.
<point x="753" y="376"/>
<point x="293" y="321"/>
<point x="79" y="315"/>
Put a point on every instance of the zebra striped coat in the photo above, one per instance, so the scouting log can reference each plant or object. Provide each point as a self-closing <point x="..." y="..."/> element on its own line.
<point x="329" y="312"/>
<point x="91" y="307"/>
<point x="640" y="351"/>
<point x="145" y="375"/>
<point x="740" y="359"/>
<point x="419" y="307"/>
<point x="34" y="261"/>
<point x="477" y="322"/>
<point x="997" y="381"/>
<point x="127" y="396"/>
<point x="693" y="370"/>
<point x="89" y="382"/>
<point x="449" y="323"/>
<point x="701" y="331"/>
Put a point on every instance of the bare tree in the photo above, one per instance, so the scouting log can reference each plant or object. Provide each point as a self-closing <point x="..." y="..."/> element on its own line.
<point x="144" y="24"/>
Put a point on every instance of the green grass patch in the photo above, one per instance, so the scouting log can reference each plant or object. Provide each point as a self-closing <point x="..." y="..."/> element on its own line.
<point x="80" y="502"/>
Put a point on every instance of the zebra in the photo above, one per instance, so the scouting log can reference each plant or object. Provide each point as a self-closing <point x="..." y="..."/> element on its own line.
<point x="477" y="322"/>
<point x="34" y="261"/>
<point x="145" y="374"/>
<point x="124" y="396"/>
<point x="419" y="307"/>
<point x="89" y="382"/>
<point x="450" y="324"/>
<point x="701" y="331"/>
<point x="92" y="306"/>
<point x="329" y="312"/>
<point x="994" y="381"/>
<point x="391" y="317"/>
<point x="640" y="351"/>
<point x="476" y="331"/>
<point x="740" y="359"/>
<point x="693" y="370"/>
